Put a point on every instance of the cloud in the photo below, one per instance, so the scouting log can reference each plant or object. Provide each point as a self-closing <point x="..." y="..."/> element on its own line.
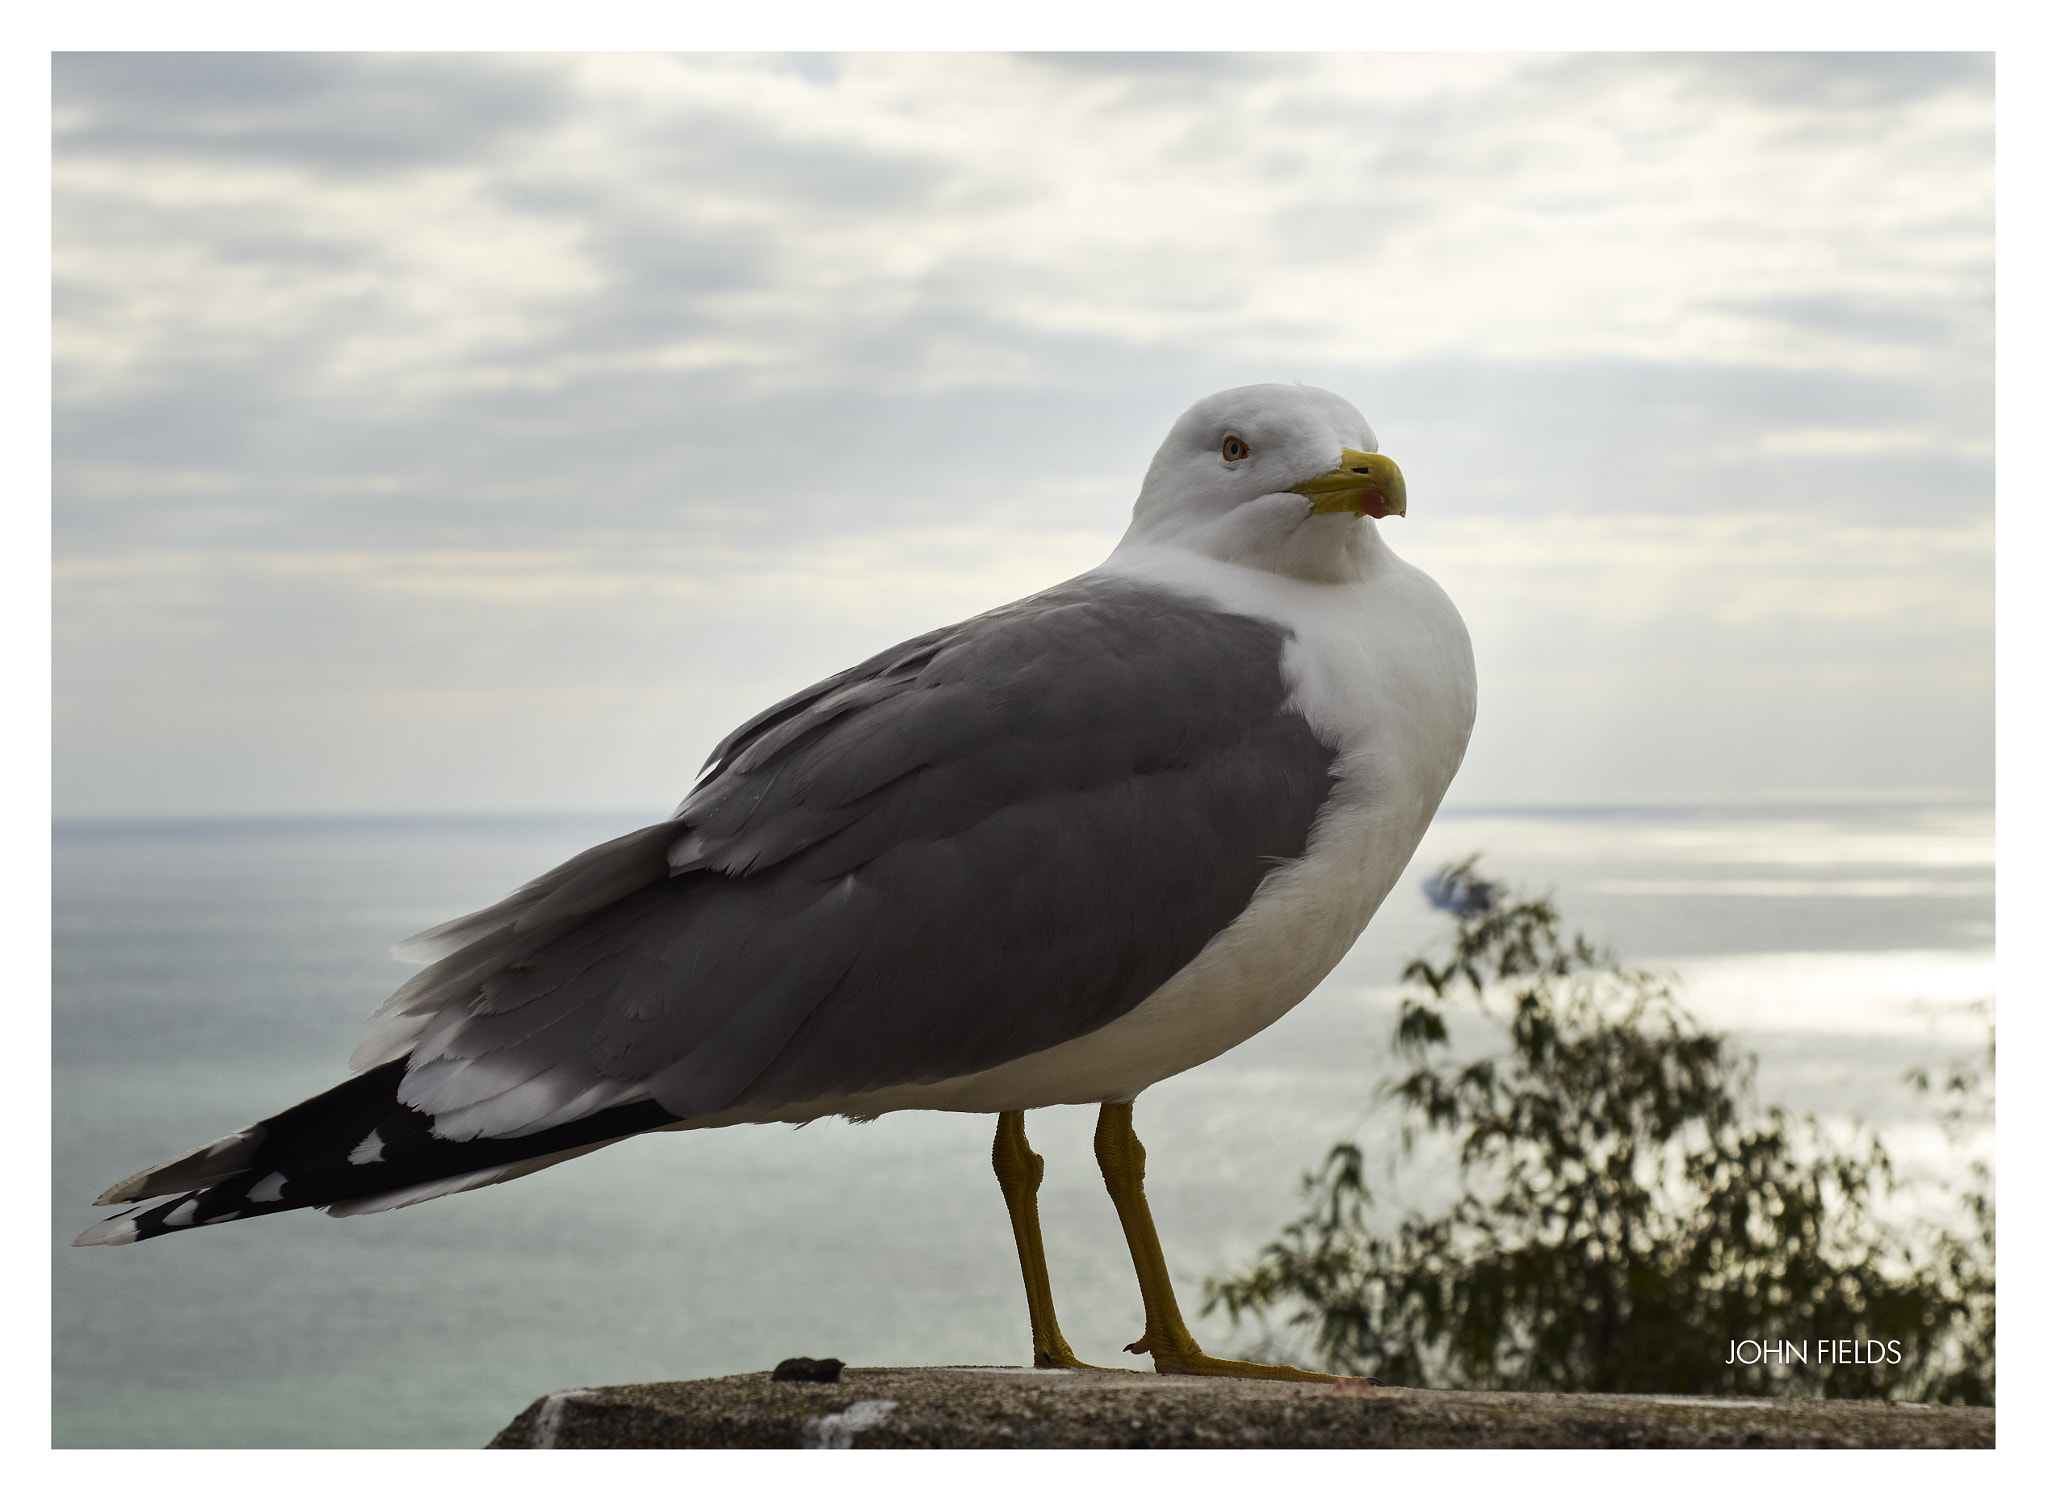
<point x="1837" y="81"/>
<point x="307" y="112"/>
<point x="775" y="224"/>
<point x="549" y="376"/>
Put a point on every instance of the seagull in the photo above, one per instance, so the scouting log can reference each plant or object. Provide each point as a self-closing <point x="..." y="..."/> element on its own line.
<point x="1048" y="856"/>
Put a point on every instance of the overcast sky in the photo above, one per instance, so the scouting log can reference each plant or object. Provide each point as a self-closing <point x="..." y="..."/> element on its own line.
<point x="495" y="432"/>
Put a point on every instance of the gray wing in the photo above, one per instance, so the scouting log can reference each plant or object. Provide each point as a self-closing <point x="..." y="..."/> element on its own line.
<point x="984" y="842"/>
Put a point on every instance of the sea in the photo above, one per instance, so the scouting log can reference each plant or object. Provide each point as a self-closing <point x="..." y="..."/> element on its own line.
<point x="209" y="973"/>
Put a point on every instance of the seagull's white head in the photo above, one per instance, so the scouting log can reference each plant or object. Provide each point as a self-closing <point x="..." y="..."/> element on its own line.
<point x="1284" y="478"/>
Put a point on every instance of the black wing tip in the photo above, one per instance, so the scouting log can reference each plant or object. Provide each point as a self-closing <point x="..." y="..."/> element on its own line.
<point x="183" y="1213"/>
<point x="320" y="1163"/>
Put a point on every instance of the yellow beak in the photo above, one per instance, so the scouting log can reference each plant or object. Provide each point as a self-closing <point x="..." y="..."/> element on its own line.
<point x="1363" y="484"/>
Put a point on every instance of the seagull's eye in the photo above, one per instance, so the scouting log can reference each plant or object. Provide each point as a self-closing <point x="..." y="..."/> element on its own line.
<point x="1234" y="448"/>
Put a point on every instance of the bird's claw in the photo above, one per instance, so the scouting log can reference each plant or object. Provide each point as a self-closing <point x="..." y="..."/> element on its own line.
<point x="1067" y="1361"/>
<point x="1199" y="1363"/>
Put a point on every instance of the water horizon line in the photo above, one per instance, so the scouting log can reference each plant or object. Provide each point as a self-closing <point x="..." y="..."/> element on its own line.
<point x="1687" y="804"/>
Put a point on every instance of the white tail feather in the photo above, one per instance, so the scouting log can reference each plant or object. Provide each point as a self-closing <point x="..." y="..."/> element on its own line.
<point x="196" y="1170"/>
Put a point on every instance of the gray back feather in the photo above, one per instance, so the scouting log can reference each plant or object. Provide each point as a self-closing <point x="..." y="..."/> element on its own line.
<point x="983" y="842"/>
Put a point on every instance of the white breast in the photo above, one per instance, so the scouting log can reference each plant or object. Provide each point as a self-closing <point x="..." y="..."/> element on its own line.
<point x="1382" y="670"/>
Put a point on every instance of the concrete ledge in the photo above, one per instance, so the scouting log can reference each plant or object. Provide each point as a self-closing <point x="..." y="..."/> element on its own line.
<point x="927" y="1408"/>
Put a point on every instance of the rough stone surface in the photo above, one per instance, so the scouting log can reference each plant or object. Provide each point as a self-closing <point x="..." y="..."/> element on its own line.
<point x="926" y="1408"/>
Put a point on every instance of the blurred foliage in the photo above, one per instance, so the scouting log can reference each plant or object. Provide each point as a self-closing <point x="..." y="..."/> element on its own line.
<point x="1966" y="1257"/>
<point x="1624" y="1212"/>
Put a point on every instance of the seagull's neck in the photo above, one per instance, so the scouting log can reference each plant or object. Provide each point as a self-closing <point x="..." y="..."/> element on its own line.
<point x="1269" y="536"/>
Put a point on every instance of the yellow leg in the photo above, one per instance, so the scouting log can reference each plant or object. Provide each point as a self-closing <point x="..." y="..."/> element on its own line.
<point x="1019" y="1170"/>
<point x="1166" y="1336"/>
